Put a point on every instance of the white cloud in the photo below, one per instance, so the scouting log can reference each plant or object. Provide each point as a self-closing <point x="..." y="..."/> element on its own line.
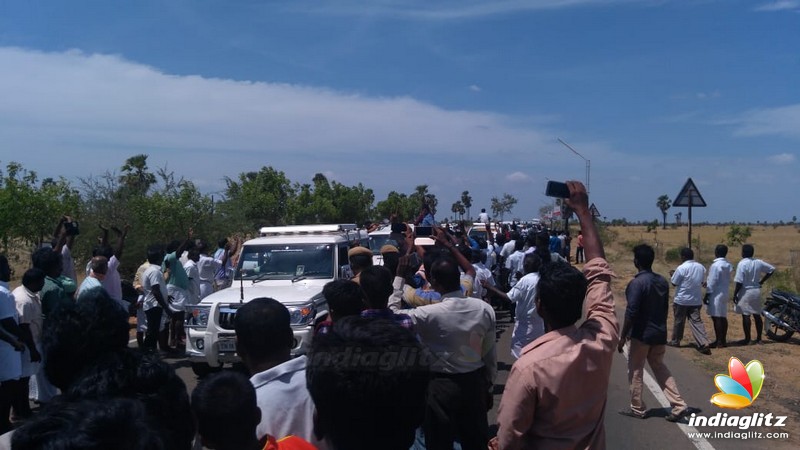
<point x="779" y="121"/>
<point x="80" y="100"/>
<point x="708" y="95"/>
<point x="780" y="5"/>
<point x="475" y="88"/>
<point x="518" y="177"/>
<point x="450" y="9"/>
<point x="782" y="158"/>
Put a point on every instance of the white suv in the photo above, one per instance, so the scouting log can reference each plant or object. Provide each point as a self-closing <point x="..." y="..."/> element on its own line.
<point x="290" y="264"/>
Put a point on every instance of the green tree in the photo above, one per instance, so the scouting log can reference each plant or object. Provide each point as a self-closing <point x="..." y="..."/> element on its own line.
<point x="396" y="204"/>
<point x="738" y="234"/>
<point x="664" y="204"/>
<point x="421" y="196"/>
<point x="256" y="199"/>
<point x="458" y="209"/>
<point x="135" y="175"/>
<point x="503" y="205"/>
<point x="466" y="200"/>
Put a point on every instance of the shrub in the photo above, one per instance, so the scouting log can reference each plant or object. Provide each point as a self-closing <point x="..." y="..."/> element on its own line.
<point x="673" y="255"/>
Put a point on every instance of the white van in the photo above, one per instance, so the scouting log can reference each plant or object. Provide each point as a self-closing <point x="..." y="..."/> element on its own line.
<point x="290" y="264"/>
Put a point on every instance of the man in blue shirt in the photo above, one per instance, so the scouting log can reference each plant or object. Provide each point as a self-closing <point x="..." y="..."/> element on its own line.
<point x="646" y="328"/>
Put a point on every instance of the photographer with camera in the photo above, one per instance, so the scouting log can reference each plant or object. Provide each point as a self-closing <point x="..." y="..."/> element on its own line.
<point x="63" y="242"/>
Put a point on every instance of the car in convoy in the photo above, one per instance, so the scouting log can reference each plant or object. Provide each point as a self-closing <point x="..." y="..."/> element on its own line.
<point x="290" y="264"/>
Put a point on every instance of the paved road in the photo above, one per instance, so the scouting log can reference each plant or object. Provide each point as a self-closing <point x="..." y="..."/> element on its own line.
<point x="623" y="432"/>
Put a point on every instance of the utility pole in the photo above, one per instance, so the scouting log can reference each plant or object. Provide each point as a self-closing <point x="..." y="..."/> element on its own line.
<point x="588" y="164"/>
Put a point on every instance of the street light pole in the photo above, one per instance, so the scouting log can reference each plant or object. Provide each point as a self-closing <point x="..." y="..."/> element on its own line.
<point x="588" y="164"/>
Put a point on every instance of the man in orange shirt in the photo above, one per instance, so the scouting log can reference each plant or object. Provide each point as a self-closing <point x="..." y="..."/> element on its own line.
<point x="555" y="396"/>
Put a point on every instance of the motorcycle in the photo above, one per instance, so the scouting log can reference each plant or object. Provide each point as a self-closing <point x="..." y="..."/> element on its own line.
<point x="782" y="313"/>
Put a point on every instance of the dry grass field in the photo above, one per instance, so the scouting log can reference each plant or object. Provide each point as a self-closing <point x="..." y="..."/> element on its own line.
<point x="776" y="245"/>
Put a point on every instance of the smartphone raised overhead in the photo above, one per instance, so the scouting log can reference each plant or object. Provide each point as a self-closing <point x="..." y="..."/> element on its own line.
<point x="557" y="189"/>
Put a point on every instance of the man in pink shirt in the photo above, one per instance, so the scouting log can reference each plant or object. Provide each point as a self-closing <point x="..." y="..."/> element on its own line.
<point x="555" y="396"/>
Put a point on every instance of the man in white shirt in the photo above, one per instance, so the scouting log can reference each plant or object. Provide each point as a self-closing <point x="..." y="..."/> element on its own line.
<point x="483" y="217"/>
<point x="208" y="267"/>
<point x="112" y="281"/>
<point x="482" y="274"/>
<point x="155" y="299"/>
<point x="190" y="266"/>
<point x="747" y="294"/>
<point x="264" y="340"/>
<point x="528" y="324"/>
<point x="514" y="263"/>
<point x="688" y="282"/>
<point x="460" y="331"/>
<point x="29" y="310"/>
<point x="717" y="288"/>
<point x="10" y="347"/>
<point x="98" y="267"/>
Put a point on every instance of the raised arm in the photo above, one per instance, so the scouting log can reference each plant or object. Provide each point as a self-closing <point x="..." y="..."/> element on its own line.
<point x="185" y="243"/>
<point x="443" y="239"/>
<point x="121" y="242"/>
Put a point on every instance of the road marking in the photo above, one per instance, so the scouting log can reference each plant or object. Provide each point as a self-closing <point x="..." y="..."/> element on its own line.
<point x="691" y="432"/>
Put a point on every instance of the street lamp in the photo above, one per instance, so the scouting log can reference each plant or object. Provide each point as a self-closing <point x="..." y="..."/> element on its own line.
<point x="588" y="163"/>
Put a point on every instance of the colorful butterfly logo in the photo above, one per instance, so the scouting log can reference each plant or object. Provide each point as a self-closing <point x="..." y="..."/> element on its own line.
<point x="741" y="388"/>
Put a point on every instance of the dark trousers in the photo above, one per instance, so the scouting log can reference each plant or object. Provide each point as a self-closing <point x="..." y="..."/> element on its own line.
<point x="6" y="398"/>
<point x="153" y="327"/>
<point x="457" y="409"/>
<point x="20" y="402"/>
<point x="579" y="255"/>
<point x="695" y="323"/>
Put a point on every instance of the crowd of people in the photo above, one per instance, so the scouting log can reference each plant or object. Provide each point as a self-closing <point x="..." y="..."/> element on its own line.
<point x="407" y="358"/>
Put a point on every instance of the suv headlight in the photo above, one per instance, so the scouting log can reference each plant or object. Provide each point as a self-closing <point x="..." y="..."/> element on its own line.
<point x="197" y="316"/>
<point x="301" y="316"/>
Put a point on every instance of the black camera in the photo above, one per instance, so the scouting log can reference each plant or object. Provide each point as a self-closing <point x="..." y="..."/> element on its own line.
<point x="71" y="228"/>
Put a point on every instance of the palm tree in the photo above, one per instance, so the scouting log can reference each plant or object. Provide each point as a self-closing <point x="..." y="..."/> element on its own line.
<point x="664" y="203"/>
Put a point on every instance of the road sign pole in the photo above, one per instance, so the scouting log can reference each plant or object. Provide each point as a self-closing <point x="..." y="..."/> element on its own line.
<point x="690" y="224"/>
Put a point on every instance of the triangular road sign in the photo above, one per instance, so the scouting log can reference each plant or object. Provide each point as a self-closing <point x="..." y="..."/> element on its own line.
<point x="594" y="211"/>
<point x="689" y="196"/>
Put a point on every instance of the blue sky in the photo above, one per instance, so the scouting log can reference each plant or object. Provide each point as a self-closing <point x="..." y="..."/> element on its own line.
<point x="467" y="94"/>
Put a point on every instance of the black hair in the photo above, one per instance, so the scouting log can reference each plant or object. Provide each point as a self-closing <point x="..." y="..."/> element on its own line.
<point x="344" y="297"/>
<point x="368" y="379"/>
<point x="431" y="255"/>
<point x="358" y="262"/>
<point x="117" y="423"/>
<point x="748" y="251"/>
<point x="142" y="376"/>
<point x="543" y="247"/>
<point x="531" y="263"/>
<point x="519" y="244"/>
<point x="222" y="242"/>
<point x="99" y="265"/>
<point x="263" y="329"/>
<point x="687" y="254"/>
<point x="47" y="260"/>
<point x="155" y="254"/>
<point x="226" y="410"/>
<point x="376" y="282"/>
<point x="721" y="251"/>
<point x="445" y="271"/>
<point x="79" y="333"/>
<point x="644" y="255"/>
<point x="500" y="239"/>
<point x="561" y="290"/>
<point x="391" y="260"/>
<point x="33" y="277"/>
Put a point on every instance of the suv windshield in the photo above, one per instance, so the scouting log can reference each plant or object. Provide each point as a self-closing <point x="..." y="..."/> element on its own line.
<point x="286" y="261"/>
<point x="376" y="241"/>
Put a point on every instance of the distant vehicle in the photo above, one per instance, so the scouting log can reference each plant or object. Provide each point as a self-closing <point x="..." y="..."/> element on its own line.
<point x="378" y="239"/>
<point x="290" y="264"/>
<point x="479" y="230"/>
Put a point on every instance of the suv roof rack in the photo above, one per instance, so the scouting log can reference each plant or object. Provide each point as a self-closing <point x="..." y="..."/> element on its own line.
<point x="307" y="229"/>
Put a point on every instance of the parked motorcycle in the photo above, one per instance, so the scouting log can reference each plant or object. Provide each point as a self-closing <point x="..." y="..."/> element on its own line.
<point x="782" y="314"/>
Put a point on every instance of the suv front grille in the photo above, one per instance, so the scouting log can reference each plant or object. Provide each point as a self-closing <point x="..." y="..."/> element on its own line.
<point x="227" y="314"/>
